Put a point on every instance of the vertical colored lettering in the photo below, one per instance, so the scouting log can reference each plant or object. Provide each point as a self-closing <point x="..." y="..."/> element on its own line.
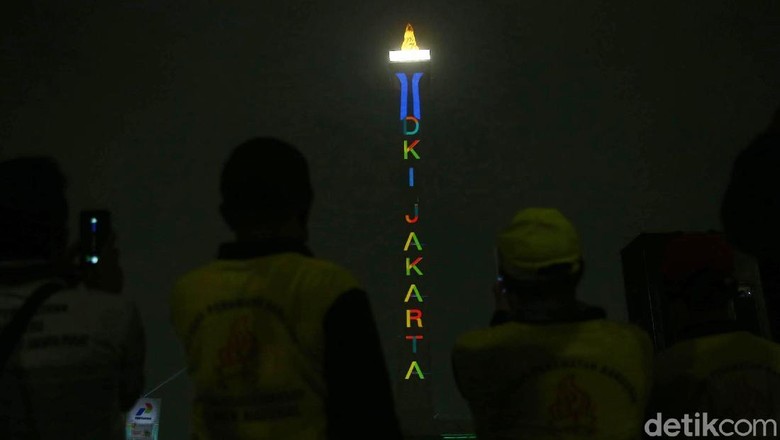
<point x="416" y="217"/>
<point x="414" y="339"/>
<point x="412" y="237"/>
<point x="414" y="315"/>
<point x="409" y="148"/>
<point x="410" y="125"/>
<point x="413" y="289"/>
<point x="416" y="122"/>
<point x="413" y="266"/>
<point x="414" y="367"/>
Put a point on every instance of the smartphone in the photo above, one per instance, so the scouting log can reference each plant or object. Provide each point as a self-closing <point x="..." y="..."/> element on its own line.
<point x="499" y="277"/>
<point x="497" y="262"/>
<point x="95" y="230"/>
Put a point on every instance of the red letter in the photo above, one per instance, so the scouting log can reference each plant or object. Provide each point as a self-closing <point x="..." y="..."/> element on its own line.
<point x="416" y="215"/>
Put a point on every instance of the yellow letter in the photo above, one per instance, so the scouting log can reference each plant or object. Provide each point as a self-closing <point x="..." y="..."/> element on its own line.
<point x="417" y="317"/>
<point x="412" y="236"/>
<point x="415" y="367"/>
<point x="413" y="288"/>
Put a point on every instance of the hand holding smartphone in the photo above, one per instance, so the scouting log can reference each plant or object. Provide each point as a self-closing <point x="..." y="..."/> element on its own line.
<point x="95" y="230"/>
<point x="499" y="291"/>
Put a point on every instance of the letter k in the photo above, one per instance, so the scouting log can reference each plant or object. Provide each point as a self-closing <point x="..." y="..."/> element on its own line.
<point x="709" y="427"/>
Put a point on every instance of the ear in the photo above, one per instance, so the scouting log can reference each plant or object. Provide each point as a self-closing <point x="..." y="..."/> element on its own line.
<point x="303" y="219"/>
<point x="580" y="272"/>
<point x="227" y="216"/>
<point x="774" y="126"/>
<point x="303" y="216"/>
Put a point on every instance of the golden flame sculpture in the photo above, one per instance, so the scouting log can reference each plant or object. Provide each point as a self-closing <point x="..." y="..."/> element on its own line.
<point x="409" y="42"/>
<point x="409" y="52"/>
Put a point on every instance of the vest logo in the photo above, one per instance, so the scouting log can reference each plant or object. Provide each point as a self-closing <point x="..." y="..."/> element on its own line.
<point x="573" y="409"/>
<point x="146" y="409"/>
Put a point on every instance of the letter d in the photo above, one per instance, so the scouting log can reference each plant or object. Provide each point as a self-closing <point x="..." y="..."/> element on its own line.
<point x="413" y="131"/>
<point x="657" y="432"/>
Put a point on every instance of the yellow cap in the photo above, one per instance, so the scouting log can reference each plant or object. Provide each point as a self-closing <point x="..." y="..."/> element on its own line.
<point x="538" y="238"/>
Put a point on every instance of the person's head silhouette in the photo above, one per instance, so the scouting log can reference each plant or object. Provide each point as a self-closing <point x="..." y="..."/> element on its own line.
<point x="266" y="191"/>
<point x="699" y="284"/>
<point x="33" y="210"/>
<point x="540" y="258"/>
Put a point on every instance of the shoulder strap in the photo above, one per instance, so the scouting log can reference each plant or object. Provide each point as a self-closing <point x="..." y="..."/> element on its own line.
<point x="13" y="332"/>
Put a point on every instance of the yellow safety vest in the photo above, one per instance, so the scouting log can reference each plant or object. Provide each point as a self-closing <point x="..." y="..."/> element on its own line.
<point x="730" y="375"/>
<point x="589" y="379"/>
<point x="252" y="331"/>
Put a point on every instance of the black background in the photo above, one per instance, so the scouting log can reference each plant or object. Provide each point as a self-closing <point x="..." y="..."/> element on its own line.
<point x="624" y="115"/>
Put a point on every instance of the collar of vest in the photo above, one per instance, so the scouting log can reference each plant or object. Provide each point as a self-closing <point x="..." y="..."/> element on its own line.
<point x="244" y="250"/>
<point x="577" y="312"/>
<point x="711" y="328"/>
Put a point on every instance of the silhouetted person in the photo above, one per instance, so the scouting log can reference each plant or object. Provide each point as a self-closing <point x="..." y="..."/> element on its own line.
<point x="715" y="366"/>
<point x="280" y="344"/>
<point x="550" y="367"/>
<point x="750" y="212"/>
<point x="77" y="365"/>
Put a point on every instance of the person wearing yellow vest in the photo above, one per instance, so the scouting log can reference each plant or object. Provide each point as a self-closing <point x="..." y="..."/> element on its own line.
<point x="715" y="366"/>
<point x="280" y="344"/>
<point x="549" y="366"/>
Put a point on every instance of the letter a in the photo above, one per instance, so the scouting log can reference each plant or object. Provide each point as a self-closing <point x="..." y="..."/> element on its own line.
<point x="413" y="288"/>
<point x="412" y="236"/>
<point x="416" y="368"/>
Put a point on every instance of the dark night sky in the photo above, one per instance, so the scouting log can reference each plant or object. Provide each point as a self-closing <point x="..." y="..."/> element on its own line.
<point x="624" y="115"/>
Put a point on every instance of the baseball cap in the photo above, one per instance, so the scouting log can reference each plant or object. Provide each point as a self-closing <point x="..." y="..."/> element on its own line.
<point x="535" y="239"/>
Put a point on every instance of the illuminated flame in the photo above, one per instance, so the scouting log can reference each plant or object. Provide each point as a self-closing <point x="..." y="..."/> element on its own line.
<point x="409" y="42"/>
<point x="409" y="52"/>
